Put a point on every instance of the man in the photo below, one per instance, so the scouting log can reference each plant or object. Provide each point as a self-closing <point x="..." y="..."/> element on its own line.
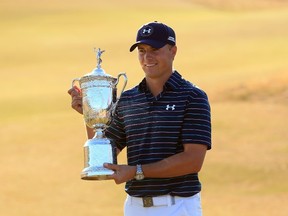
<point x="164" y="122"/>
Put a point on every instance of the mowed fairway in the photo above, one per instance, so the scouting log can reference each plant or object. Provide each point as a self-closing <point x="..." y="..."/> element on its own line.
<point x="237" y="54"/>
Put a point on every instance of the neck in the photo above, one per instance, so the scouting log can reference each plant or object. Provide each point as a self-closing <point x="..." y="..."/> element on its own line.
<point x="156" y="85"/>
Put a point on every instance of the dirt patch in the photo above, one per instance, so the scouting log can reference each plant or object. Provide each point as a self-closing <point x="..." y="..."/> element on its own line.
<point x="273" y="89"/>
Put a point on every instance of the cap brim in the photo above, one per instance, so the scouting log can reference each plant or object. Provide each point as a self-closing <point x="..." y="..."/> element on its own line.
<point x="152" y="43"/>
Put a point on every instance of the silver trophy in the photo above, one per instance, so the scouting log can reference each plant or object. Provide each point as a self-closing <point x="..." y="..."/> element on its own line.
<point x="99" y="100"/>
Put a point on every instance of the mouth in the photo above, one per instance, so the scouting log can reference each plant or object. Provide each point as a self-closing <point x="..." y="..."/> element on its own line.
<point x="150" y="65"/>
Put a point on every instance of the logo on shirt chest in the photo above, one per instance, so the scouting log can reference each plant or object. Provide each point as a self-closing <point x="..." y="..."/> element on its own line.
<point x="168" y="107"/>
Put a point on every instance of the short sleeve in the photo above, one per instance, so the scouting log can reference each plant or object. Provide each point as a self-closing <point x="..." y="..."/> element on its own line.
<point x="197" y="120"/>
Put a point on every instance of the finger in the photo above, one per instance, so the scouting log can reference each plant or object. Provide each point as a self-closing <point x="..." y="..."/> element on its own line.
<point x="111" y="177"/>
<point x="76" y="104"/>
<point x="111" y="166"/>
<point x="70" y="91"/>
<point x="77" y="99"/>
<point x="77" y="88"/>
<point x="75" y="93"/>
<point x="74" y="90"/>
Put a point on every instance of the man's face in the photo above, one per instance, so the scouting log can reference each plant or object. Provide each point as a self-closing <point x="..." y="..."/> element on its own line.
<point x="156" y="62"/>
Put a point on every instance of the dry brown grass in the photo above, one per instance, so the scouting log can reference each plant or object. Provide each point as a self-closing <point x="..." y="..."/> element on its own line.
<point x="243" y="4"/>
<point x="266" y="89"/>
<point x="239" y="58"/>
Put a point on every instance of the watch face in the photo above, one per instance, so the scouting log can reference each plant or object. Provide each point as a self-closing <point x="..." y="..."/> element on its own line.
<point x="139" y="177"/>
<point x="139" y="173"/>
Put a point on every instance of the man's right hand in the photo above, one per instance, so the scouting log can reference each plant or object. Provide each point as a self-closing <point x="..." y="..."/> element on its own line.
<point x="76" y="96"/>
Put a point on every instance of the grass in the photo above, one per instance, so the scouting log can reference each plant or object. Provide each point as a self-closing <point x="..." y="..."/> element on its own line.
<point x="238" y="55"/>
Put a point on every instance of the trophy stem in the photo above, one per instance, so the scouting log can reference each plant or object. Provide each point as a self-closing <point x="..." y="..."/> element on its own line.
<point x="98" y="133"/>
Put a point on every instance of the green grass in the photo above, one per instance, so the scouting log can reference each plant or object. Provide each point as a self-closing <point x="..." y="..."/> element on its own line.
<point x="239" y="57"/>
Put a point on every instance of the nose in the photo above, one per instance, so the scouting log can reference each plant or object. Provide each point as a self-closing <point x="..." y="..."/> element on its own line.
<point x="148" y="55"/>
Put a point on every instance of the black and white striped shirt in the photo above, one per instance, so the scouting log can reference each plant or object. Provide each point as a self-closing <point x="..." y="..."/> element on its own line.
<point x="154" y="128"/>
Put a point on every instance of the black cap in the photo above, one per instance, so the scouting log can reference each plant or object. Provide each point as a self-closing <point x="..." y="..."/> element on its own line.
<point x="155" y="34"/>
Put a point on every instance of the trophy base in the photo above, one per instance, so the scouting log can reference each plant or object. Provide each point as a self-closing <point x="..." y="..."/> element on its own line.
<point x="97" y="151"/>
<point x="96" y="173"/>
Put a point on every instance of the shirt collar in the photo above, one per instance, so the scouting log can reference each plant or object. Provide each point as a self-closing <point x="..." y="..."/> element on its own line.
<point x="172" y="83"/>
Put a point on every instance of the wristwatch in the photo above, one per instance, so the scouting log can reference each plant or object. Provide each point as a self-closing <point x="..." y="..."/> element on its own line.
<point x="139" y="172"/>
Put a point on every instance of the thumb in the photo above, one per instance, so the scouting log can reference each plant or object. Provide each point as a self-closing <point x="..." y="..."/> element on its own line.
<point x="110" y="166"/>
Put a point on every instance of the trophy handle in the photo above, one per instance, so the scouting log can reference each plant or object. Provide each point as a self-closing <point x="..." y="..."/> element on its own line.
<point x="125" y="82"/>
<point x="115" y="84"/>
<point x="78" y="88"/>
<point x="74" y="81"/>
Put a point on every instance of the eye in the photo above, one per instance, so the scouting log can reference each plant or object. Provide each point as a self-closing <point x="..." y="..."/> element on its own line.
<point x="141" y="50"/>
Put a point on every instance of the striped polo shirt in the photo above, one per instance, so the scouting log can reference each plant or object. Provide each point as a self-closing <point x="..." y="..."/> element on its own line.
<point x="154" y="128"/>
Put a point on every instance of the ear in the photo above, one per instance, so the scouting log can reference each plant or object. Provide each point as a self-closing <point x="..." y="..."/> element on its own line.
<point x="174" y="51"/>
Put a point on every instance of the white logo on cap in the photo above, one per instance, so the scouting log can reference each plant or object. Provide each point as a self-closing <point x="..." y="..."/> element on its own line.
<point x="146" y="31"/>
<point x="170" y="38"/>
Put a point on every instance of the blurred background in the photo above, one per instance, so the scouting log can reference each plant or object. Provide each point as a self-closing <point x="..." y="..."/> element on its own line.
<point x="237" y="51"/>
